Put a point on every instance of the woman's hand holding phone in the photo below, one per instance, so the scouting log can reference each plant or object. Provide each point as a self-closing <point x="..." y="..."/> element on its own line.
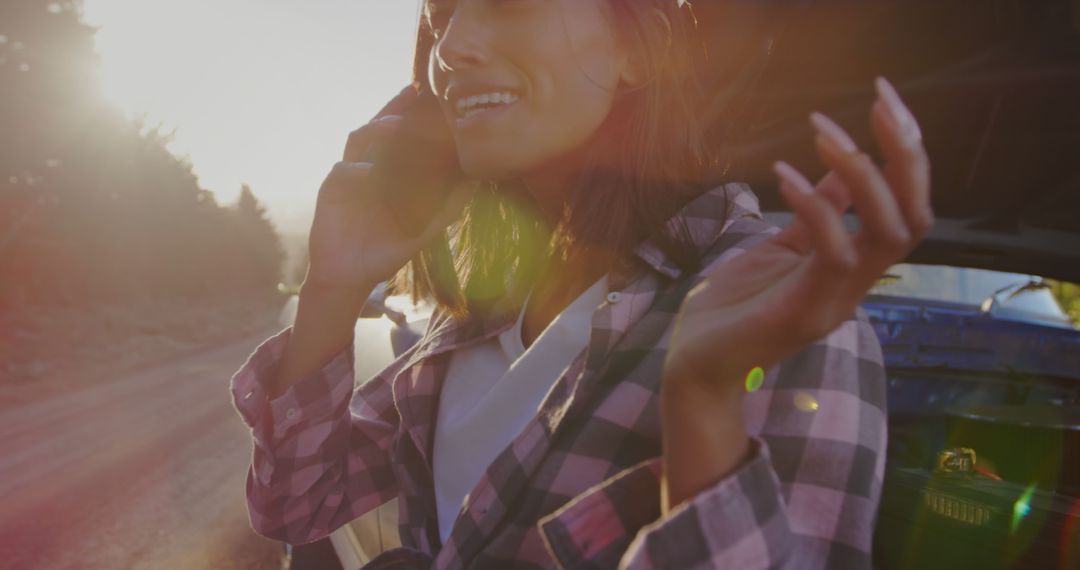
<point x="369" y="221"/>
<point x="357" y="240"/>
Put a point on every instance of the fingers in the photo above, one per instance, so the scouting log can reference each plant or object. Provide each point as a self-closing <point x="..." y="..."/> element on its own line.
<point x="388" y="118"/>
<point x="361" y="140"/>
<point x="824" y="229"/>
<point x="402" y="101"/>
<point x="833" y="188"/>
<point x="907" y="166"/>
<point x="892" y="205"/>
<point x="884" y="229"/>
<point x="342" y="181"/>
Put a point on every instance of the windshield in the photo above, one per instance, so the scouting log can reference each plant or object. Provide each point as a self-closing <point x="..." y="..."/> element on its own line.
<point x="973" y="287"/>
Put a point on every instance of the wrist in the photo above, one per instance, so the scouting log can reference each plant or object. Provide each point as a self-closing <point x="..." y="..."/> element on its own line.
<point x="705" y="436"/>
<point x="324" y="326"/>
<point x="706" y="410"/>
<point x="352" y="294"/>
<point x="684" y="388"/>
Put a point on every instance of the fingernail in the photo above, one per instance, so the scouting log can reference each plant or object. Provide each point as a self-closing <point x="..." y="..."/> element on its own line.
<point x="900" y="113"/>
<point x="386" y="118"/>
<point x="832" y="131"/>
<point x="791" y="177"/>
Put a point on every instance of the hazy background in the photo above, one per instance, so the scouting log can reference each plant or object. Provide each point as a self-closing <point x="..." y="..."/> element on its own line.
<point x="261" y="92"/>
<point x="160" y="159"/>
<point x="159" y="163"/>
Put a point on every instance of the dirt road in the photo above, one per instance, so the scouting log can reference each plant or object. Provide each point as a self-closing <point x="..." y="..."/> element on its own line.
<point x="143" y="471"/>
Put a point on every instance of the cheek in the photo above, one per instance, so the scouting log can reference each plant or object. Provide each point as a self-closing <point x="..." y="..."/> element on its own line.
<point x="572" y="68"/>
<point x="578" y="106"/>
<point x="580" y="74"/>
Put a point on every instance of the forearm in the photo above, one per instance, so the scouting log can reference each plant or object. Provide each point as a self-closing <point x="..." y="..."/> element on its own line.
<point x="704" y="439"/>
<point x="325" y="320"/>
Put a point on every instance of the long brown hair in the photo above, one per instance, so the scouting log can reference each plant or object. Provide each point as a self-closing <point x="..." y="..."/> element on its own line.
<point x="649" y="157"/>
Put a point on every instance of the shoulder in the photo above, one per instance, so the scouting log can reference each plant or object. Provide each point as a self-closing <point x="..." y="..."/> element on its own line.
<point x="739" y="236"/>
<point x="725" y="221"/>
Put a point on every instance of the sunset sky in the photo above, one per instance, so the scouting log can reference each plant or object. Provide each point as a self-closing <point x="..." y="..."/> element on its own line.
<point x="262" y="92"/>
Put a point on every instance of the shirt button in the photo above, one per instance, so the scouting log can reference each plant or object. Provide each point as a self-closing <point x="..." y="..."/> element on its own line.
<point x="613" y="297"/>
<point x="291" y="413"/>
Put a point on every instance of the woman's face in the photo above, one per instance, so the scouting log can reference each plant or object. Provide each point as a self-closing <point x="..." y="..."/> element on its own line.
<point x="523" y="82"/>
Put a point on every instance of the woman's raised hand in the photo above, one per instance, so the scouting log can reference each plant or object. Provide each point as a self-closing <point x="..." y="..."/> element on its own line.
<point x="766" y="304"/>
<point x="355" y="242"/>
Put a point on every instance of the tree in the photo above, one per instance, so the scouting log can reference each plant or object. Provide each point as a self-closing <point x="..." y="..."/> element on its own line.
<point x="93" y="206"/>
<point x="259" y="238"/>
<point x="1068" y="295"/>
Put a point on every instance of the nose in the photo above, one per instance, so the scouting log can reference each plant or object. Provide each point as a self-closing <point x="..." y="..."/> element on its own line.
<point x="461" y="44"/>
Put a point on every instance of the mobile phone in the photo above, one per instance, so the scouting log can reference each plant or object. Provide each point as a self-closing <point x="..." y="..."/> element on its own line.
<point x="416" y="167"/>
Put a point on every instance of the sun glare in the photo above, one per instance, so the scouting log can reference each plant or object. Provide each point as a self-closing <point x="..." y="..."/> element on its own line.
<point x="259" y="91"/>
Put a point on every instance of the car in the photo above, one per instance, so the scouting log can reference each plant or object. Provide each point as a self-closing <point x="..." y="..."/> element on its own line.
<point x="983" y="370"/>
<point x="983" y="462"/>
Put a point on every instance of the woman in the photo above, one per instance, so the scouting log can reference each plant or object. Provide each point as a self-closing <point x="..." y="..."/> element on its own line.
<point x="625" y="368"/>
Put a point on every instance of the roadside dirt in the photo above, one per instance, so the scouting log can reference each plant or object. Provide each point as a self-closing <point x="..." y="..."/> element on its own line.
<point x="138" y="469"/>
<point x="54" y="350"/>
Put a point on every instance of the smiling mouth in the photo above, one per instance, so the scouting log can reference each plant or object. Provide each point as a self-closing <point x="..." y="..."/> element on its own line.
<point x="472" y="105"/>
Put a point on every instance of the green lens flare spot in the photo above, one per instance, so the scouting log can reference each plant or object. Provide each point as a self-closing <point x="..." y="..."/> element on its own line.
<point x="1022" y="507"/>
<point x="755" y="379"/>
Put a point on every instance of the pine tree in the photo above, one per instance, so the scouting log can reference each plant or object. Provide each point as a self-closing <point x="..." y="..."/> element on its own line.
<point x="260" y="239"/>
<point x="93" y="206"/>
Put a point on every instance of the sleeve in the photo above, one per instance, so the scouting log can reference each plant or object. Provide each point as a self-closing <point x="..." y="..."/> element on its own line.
<point x="321" y="449"/>
<point x="806" y="497"/>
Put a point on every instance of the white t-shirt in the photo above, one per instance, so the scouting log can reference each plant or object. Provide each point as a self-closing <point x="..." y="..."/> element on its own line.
<point x="492" y="390"/>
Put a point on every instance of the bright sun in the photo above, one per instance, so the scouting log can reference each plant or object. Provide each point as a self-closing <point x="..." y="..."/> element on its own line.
<point x="259" y="91"/>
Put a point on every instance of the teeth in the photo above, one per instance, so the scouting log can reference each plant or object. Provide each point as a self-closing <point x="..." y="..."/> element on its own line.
<point x="469" y="106"/>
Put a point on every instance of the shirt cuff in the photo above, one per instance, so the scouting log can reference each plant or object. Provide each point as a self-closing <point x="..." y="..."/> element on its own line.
<point x="595" y="529"/>
<point x="739" y="522"/>
<point x="316" y="396"/>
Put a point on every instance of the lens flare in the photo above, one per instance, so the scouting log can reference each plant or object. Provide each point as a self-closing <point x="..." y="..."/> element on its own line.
<point x="1022" y="508"/>
<point x="1070" y="538"/>
<point x="755" y="379"/>
<point x="805" y="402"/>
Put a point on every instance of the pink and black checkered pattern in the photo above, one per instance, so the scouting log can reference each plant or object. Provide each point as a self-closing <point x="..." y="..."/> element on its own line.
<point x="579" y="487"/>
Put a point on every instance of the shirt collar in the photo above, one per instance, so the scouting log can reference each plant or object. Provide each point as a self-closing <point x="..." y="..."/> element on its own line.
<point x="705" y="219"/>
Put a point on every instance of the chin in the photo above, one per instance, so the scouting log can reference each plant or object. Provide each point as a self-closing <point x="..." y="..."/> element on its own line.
<point x="493" y="166"/>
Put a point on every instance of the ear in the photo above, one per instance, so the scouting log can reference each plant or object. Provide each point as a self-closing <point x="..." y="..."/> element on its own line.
<point x="635" y="71"/>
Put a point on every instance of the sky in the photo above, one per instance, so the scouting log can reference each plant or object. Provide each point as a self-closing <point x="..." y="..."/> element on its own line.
<point x="262" y="92"/>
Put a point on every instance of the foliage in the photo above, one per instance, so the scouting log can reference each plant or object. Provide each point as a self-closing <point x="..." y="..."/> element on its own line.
<point x="93" y="206"/>
<point x="1068" y="295"/>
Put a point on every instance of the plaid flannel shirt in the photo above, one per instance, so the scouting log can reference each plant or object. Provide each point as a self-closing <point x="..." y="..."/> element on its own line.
<point x="579" y="486"/>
